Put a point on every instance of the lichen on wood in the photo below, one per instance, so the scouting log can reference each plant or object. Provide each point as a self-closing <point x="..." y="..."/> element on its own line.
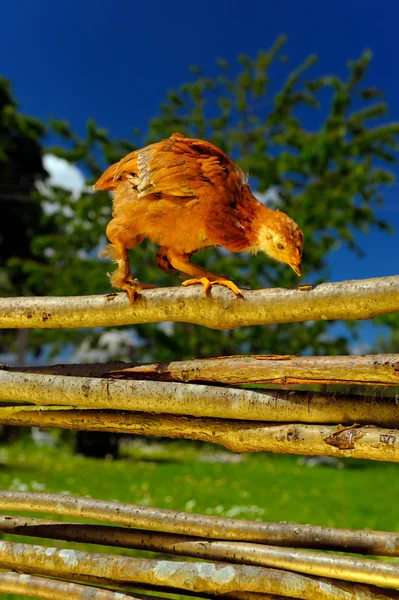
<point x="322" y="564"/>
<point x="52" y="589"/>
<point x="205" y="577"/>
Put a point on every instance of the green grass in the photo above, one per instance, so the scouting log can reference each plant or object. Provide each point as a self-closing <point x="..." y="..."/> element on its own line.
<point x="205" y="479"/>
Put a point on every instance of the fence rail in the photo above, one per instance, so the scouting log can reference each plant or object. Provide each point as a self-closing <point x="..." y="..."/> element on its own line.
<point x="360" y="299"/>
<point x="256" y="565"/>
<point x="242" y="420"/>
<point x="375" y="369"/>
<point x="203" y="400"/>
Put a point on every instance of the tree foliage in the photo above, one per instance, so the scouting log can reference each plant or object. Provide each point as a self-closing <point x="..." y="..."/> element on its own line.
<point x="22" y="215"/>
<point x="20" y="167"/>
<point x="320" y="148"/>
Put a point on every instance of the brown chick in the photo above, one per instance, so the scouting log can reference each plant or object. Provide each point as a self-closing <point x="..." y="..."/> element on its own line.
<point x="185" y="194"/>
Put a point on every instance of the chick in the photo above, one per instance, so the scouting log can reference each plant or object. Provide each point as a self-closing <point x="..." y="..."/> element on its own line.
<point x="185" y="194"/>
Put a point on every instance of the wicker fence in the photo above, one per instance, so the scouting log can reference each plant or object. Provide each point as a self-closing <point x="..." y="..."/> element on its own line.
<point x="205" y="400"/>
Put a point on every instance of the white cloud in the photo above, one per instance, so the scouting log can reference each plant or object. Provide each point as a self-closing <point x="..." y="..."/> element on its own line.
<point x="63" y="174"/>
<point x="270" y="197"/>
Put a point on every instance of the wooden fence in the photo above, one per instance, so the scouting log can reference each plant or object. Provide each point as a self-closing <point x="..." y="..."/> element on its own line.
<point x="205" y="400"/>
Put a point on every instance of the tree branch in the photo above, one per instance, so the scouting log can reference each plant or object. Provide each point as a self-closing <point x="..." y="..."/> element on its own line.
<point x="366" y="442"/>
<point x="360" y="299"/>
<point x="309" y="562"/>
<point x="197" y="577"/>
<point x="41" y="587"/>
<point x="379" y="543"/>
<point x="376" y="369"/>
<point x="194" y="400"/>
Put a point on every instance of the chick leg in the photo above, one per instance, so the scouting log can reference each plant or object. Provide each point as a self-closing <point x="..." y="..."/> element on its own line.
<point x="122" y="277"/>
<point x="181" y="262"/>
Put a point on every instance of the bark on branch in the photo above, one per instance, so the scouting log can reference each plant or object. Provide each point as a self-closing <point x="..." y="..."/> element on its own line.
<point x="375" y="369"/>
<point x="359" y="299"/>
<point x="196" y="577"/>
<point x="51" y="589"/>
<point x="365" y="442"/>
<point x="196" y="400"/>
<point x="309" y="562"/>
<point x="379" y="543"/>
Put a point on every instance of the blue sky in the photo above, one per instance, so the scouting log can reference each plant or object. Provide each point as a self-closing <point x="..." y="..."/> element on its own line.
<point x="115" y="61"/>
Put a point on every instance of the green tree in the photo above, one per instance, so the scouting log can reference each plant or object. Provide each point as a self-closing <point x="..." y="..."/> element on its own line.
<point x="20" y="167"/>
<point x="389" y="341"/>
<point x="22" y="213"/>
<point x="329" y="180"/>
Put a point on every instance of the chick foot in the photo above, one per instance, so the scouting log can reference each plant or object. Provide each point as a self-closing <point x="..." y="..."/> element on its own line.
<point x="208" y="284"/>
<point x="134" y="288"/>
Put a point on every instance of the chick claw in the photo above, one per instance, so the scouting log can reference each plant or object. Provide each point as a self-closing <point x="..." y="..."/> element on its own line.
<point x="208" y="284"/>
<point x="134" y="289"/>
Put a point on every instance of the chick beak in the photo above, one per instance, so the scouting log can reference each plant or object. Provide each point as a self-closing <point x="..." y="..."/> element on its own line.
<point x="297" y="269"/>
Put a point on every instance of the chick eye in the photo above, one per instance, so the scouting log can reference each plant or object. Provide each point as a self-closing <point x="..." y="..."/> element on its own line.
<point x="280" y="246"/>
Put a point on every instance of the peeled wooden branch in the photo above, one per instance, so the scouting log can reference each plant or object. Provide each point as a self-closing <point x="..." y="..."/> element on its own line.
<point x="364" y="442"/>
<point x="376" y="369"/>
<point x="308" y="562"/>
<point x="379" y="543"/>
<point x="193" y="576"/>
<point x="51" y="589"/>
<point x="359" y="299"/>
<point x="247" y="407"/>
<point x="195" y="400"/>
